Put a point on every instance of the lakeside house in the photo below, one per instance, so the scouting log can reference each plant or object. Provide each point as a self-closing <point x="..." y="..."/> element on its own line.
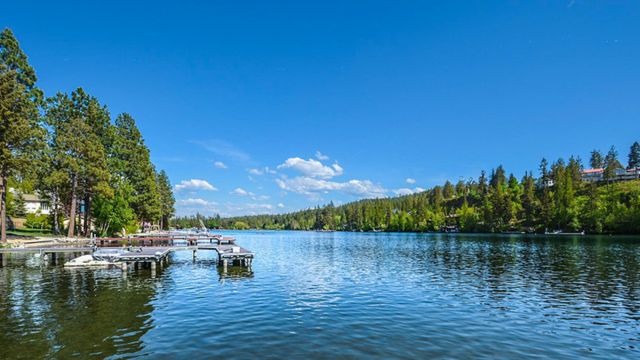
<point x="597" y="175"/>
<point x="33" y="204"/>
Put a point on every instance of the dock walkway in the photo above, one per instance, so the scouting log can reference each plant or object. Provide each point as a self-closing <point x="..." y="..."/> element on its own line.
<point x="151" y="250"/>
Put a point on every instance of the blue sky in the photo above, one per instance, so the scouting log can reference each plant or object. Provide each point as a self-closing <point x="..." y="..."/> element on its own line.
<point x="255" y="107"/>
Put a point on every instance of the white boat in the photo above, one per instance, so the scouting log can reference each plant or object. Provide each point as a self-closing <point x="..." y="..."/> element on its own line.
<point x="87" y="261"/>
<point x="99" y="258"/>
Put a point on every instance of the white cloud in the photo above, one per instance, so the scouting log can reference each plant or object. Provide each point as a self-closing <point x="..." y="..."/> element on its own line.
<point x="280" y="205"/>
<point x="260" y="172"/>
<point x="241" y="192"/>
<point x="260" y="206"/>
<point x="220" y="165"/>
<point x="312" y="168"/>
<point x="191" y="202"/>
<point x="410" y="181"/>
<point x="310" y="186"/>
<point x="195" y="184"/>
<point x="407" y="191"/>
<point x="320" y="156"/>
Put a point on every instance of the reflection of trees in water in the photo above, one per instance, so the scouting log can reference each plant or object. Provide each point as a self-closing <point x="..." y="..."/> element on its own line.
<point x="58" y="313"/>
<point x="559" y="270"/>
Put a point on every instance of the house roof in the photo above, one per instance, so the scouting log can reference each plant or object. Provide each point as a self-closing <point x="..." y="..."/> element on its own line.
<point x="31" y="197"/>
<point x="592" y="171"/>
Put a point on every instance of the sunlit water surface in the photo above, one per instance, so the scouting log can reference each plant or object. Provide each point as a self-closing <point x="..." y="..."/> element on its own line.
<point x="347" y="295"/>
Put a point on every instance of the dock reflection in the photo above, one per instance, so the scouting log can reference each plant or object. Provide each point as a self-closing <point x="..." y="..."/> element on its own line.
<point x="234" y="272"/>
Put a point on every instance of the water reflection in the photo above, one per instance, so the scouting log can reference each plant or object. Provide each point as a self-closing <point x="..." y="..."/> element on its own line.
<point x="333" y="295"/>
<point x="52" y="312"/>
<point x="234" y="272"/>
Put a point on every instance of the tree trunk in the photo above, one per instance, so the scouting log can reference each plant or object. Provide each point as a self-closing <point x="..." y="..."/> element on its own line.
<point x="88" y="212"/>
<point x="87" y="205"/>
<point x="72" y="212"/>
<point x="54" y="208"/>
<point x="3" y="209"/>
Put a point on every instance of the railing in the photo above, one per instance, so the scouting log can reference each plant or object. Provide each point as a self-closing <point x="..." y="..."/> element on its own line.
<point x="160" y="241"/>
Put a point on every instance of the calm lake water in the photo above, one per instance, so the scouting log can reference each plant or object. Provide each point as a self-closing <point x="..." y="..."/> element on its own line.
<point x="327" y="295"/>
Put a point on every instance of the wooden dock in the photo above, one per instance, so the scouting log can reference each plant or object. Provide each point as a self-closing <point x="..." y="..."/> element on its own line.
<point x="151" y="250"/>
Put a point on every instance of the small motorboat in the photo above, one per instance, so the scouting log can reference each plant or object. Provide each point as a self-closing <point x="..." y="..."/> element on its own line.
<point x="87" y="261"/>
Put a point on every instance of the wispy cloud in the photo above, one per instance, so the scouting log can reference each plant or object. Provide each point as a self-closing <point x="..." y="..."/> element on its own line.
<point x="220" y="165"/>
<point x="312" y="186"/>
<point x="261" y="171"/>
<point x="320" y="156"/>
<point x="312" y="168"/>
<point x="407" y="191"/>
<point x="241" y="192"/>
<point x="224" y="149"/>
<point x="410" y="181"/>
<point x="195" y="184"/>
<point x="197" y="201"/>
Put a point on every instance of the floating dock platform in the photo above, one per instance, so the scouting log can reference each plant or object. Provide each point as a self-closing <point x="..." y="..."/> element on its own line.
<point x="149" y="250"/>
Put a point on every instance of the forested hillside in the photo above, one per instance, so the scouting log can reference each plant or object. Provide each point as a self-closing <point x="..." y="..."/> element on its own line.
<point x="557" y="199"/>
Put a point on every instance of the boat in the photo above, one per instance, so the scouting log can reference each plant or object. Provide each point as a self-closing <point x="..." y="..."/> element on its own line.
<point x="99" y="258"/>
<point x="88" y="261"/>
<point x="560" y="232"/>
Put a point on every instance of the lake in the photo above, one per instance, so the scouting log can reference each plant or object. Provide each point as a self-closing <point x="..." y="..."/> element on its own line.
<point x="348" y="295"/>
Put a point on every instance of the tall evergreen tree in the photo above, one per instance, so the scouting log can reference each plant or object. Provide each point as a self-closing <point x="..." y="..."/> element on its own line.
<point x="132" y="161"/>
<point x="634" y="156"/>
<point x="611" y="164"/>
<point x="597" y="160"/>
<point x="21" y="134"/>
<point x="167" y="199"/>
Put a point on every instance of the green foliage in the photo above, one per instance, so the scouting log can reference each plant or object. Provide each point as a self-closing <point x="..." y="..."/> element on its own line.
<point x="597" y="160"/>
<point x="167" y="200"/>
<point x="79" y="155"/>
<point x="37" y="221"/>
<point x="19" y="206"/>
<point x="21" y="134"/>
<point x="240" y="225"/>
<point x="557" y="200"/>
<point x="634" y="156"/>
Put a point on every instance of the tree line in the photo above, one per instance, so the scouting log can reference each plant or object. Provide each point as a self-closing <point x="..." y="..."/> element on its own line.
<point x="94" y="172"/>
<point x="556" y="199"/>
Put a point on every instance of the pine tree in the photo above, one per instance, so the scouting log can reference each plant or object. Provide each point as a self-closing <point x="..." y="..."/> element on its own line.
<point x="597" y="160"/>
<point x="19" y="205"/>
<point x="132" y="161"/>
<point x="19" y="123"/>
<point x="528" y="200"/>
<point x="634" y="156"/>
<point x="167" y="199"/>
<point x="611" y="164"/>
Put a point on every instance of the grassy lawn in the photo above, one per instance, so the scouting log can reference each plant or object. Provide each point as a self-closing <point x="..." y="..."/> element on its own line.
<point x="30" y="232"/>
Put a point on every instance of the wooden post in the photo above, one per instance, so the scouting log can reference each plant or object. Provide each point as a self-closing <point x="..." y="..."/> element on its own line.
<point x="125" y="266"/>
<point x="3" y="260"/>
<point x="224" y="265"/>
<point x="195" y="254"/>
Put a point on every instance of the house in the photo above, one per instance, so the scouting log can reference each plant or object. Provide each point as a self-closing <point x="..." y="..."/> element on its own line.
<point x="596" y="175"/>
<point x="592" y="175"/>
<point x="33" y="203"/>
